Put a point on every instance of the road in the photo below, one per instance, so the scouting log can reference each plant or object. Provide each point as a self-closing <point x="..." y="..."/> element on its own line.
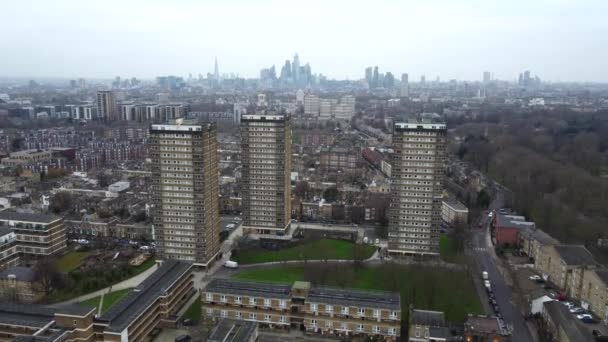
<point x="482" y="250"/>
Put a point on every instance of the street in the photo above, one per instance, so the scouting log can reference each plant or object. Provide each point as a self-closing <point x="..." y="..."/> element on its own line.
<point x="482" y="250"/>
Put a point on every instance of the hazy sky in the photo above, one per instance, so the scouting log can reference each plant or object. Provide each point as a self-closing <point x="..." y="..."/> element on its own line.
<point x="563" y="40"/>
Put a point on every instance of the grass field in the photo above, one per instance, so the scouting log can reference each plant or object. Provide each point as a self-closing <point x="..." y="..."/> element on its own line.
<point x="108" y="300"/>
<point x="313" y="250"/>
<point x="194" y="312"/>
<point x="70" y="261"/>
<point x="427" y="288"/>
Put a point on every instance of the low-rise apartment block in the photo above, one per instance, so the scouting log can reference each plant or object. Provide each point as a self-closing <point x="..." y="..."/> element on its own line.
<point x="428" y="326"/>
<point x="337" y="158"/>
<point x="531" y="241"/>
<point x="453" y="211"/>
<point x="594" y="292"/>
<point x="326" y="311"/>
<point x="9" y="256"/>
<point x="234" y="331"/>
<point x="36" y="235"/>
<point x="565" y="265"/>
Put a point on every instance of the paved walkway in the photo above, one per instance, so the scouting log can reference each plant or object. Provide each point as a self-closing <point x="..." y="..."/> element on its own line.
<point x="125" y="284"/>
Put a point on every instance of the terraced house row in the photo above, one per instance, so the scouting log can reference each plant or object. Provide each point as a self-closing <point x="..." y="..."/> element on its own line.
<point x="321" y="310"/>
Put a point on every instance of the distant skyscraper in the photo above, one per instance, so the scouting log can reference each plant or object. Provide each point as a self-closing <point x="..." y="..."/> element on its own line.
<point x="296" y="68"/>
<point x="422" y="79"/>
<point x="389" y="80"/>
<point x="375" y="78"/>
<point x="487" y="77"/>
<point x="418" y="172"/>
<point x="216" y="72"/>
<point x="286" y="71"/>
<point x="369" y="76"/>
<point x="106" y="105"/>
<point x="185" y="191"/>
<point x="266" y="173"/>
<point x="405" y="85"/>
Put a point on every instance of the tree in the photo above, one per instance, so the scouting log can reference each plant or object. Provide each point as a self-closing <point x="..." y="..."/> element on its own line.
<point x="62" y="201"/>
<point x="302" y="190"/>
<point x="331" y="194"/>
<point x="358" y="255"/>
<point x="46" y="275"/>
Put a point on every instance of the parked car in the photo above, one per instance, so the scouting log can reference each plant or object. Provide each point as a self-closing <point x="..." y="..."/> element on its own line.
<point x="486" y="283"/>
<point x="583" y="317"/>
<point x="231" y="264"/>
<point x="484" y="275"/>
<point x="577" y="310"/>
<point x="569" y="305"/>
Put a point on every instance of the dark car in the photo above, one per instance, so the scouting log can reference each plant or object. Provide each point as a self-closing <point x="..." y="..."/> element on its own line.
<point x="183" y="338"/>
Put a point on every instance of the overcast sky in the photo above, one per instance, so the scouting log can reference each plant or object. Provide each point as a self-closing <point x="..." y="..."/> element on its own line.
<point x="565" y="40"/>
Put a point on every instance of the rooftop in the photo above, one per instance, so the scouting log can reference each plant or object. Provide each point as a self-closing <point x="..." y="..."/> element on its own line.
<point x="4" y="230"/>
<point x="10" y="215"/>
<point x="561" y="317"/>
<point x="483" y="324"/>
<point x="574" y="255"/>
<point x="440" y="333"/>
<point x="511" y="221"/>
<point x="427" y="317"/>
<point x="248" y="288"/>
<point x="455" y="204"/>
<point x="348" y="297"/>
<point x="123" y="313"/>
<point x="228" y="330"/>
<point x="20" y="273"/>
<point x="540" y="236"/>
<point x="37" y="316"/>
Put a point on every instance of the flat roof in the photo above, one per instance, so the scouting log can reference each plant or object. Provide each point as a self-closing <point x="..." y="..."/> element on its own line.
<point x="455" y="205"/>
<point x="574" y="255"/>
<point x="228" y="330"/>
<point x="264" y="117"/>
<point x="349" y="297"/>
<point x="420" y="125"/>
<point x="37" y="316"/>
<point x="10" y="215"/>
<point x="249" y="288"/>
<point x="483" y="324"/>
<point x="511" y="221"/>
<point x="125" y="311"/>
<point x="21" y="273"/>
<point x="427" y="317"/>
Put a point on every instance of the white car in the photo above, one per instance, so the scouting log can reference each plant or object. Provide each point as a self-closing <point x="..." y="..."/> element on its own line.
<point x="490" y="214"/>
<point x="535" y="278"/>
<point x="486" y="283"/>
<point x="569" y="304"/>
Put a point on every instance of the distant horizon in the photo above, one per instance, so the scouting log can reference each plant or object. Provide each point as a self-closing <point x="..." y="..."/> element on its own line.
<point x="558" y="40"/>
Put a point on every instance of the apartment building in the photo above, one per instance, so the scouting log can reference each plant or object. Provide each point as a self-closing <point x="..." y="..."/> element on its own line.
<point x="531" y="241"/>
<point x="427" y="326"/>
<point x="20" y="322"/>
<point x="27" y="157"/>
<point x="153" y="303"/>
<point x="565" y="266"/>
<point x="418" y="172"/>
<point x="185" y="191"/>
<point x="594" y="292"/>
<point x="452" y="211"/>
<point x="337" y="158"/>
<point x="36" y="235"/>
<point x="9" y="255"/>
<point x="266" y="175"/>
<point x="106" y="105"/>
<point x="234" y="331"/>
<point x="326" y="311"/>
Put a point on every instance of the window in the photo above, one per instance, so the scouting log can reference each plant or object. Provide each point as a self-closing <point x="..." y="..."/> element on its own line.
<point x="376" y="313"/>
<point x="393" y="315"/>
<point x="209" y="312"/>
<point x="361" y="311"/>
<point x="282" y="319"/>
<point x="376" y="329"/>
<point x="328" y="324"/>
<point x="329" y="308"/>
<point x="344" y="326"/>
<point x="252" y="315"/>
<point x="391" y="331"/>
<point x="237" y="300"/>
<point x="417" y="331"/>
<point x="223" y="299"/>
<point x="313" y="307"/>
<point x="252" y="300"/>
<point x="426" y="333"/>
<point x="238" y="314"/>
<point x="266" y="302"/>
<point x="313" y="322"/>
<point x="223" y="313"/>
<point x="283" y="303"/>
<point x="267" y="317"/>
<point x="360" y="327"/>
<point x="209" y="297"/>
<point x="345" y="310"/>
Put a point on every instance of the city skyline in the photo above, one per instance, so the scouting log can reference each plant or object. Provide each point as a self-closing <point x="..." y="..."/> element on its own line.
<point x="453" y="41"/>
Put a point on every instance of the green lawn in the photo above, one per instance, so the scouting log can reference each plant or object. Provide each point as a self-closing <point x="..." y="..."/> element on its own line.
<point x="449" y="252"/>
<point x="144" y="266"/>
<point x="70" y="261"/>
<point x="194" y="312"/>
<point x="312" y="250"/>
<point x="108" y="300"/>
<point x="427" y="288"/>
